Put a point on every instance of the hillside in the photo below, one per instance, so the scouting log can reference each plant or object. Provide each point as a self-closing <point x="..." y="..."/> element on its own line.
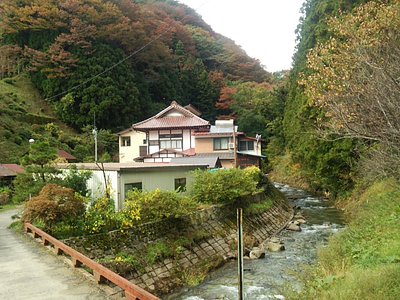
<point x="148" y="53"/>
<point x="23" y="114"/>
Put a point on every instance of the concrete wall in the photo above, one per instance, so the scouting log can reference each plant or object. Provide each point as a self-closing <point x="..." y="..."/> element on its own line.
<point x="96" y="185"/>
<point x="163" y="179"/>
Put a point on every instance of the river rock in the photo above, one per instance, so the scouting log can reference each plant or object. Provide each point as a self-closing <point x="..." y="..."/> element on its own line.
<point x="293" y="227"/>
<point x="301" y="221"/>
<point x="275" y="247"/>
<point x="257" y="253"/>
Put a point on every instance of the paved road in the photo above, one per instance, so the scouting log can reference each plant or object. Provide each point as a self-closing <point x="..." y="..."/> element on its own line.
<point x="29" y="271"/>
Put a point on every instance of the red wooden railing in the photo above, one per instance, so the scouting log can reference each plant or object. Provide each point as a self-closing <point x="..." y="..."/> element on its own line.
<point x="132" y="291"/>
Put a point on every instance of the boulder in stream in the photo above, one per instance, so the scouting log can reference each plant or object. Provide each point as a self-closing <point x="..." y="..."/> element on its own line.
<point x="293" y="227"/>
<point x="257" y="253"/>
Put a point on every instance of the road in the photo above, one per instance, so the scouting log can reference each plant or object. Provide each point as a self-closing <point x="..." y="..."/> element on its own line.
<point x="30" y="271"/>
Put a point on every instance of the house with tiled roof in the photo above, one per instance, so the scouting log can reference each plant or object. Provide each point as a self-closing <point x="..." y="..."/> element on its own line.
<point x="168" y="134"/>
<point x="178" y="134"/>
<point x="8" y="172"/>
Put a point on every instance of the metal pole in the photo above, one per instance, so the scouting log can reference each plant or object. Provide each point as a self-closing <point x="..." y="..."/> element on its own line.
<point x="234" y="144"/>
<point x="240" y="253"/>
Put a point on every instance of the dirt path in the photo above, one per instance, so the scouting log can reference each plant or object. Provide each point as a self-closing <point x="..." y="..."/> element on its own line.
<point x="29" y="271"/>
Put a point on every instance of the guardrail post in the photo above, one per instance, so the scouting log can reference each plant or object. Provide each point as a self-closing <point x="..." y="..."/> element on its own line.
<point x="57" y="250"/>
<point x="75" y="262"/>
<point x="97" y="277"/>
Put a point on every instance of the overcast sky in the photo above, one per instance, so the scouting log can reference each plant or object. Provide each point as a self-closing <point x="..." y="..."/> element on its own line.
<point x="263" y="28"/>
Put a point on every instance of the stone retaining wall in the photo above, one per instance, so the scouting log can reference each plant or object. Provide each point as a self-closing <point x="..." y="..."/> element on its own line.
<point x="218" y="222"/>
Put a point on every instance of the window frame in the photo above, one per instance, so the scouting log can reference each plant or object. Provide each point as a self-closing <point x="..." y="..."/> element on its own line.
<point x="125" y="141"/>
<point x="219" y="140"/>
<point x="180" y="184"/>
<point x="126" y="189"/>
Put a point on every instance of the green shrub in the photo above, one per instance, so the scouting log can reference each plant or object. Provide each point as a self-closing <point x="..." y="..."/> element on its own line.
<point x="25" y="186"/>
<point x="157" y="252"/>
<point x="224" y="186"/>
<point x="4" y="195"/>
<point x="53" y="205"/>
<point x="76" y="180"/>
<point x="101" y="216"/>
<point x="157" y="205"/>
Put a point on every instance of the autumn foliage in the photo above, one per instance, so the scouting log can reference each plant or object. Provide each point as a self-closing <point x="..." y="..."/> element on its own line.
<point x="54" y="204"/>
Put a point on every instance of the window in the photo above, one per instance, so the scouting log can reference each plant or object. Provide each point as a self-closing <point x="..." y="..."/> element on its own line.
<point x="125" y="141"/>
<point x="171" y="144"/>
<point x="153" y="142"/>
<point x="144" y="142"/>
<point x="131" y="186"/>
<point x="171" y="141"/>
<point x="180" y="184"/>
<point x="246" y="145"/>
<point x="221" y="143"/>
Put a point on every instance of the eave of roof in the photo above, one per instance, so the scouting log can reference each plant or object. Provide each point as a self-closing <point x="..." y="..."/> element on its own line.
<point x="129" y="166"/>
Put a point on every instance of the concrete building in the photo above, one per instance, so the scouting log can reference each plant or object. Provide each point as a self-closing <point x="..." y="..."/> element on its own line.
<point x="122" y="177"/>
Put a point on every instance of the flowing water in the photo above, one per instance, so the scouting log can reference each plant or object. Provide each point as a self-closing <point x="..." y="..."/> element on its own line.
<point x="266" y="278"/>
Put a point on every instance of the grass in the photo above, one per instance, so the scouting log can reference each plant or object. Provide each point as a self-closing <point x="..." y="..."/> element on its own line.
<point x="362" y="261"/>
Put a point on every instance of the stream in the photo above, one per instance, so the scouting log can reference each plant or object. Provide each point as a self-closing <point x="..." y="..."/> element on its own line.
<point x="266" y="278"/>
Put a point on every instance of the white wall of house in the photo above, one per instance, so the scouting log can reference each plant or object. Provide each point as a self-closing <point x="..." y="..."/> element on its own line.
<point x="96" y="185"/>
<point x="129" y="153"/>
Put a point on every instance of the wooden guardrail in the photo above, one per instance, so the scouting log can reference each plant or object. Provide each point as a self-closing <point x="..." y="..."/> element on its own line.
<point x="100" y="273"/>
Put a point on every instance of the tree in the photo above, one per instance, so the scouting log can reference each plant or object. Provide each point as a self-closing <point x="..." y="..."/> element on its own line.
<point x="39" y="160"/>
<point x="355" y="75"/>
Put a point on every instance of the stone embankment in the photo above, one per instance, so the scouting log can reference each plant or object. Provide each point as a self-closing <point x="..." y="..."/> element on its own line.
<point x="218" y="244"/>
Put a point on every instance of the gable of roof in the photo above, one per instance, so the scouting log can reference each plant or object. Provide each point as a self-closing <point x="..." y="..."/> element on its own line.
<point x="174" y="116"/>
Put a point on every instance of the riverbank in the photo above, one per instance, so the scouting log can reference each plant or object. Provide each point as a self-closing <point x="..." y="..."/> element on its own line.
<point x="363" y="260"/>
<point x="269" y="277"/>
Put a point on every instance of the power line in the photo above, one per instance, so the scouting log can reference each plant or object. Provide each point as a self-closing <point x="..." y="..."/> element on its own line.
<point x="124" y="59"/>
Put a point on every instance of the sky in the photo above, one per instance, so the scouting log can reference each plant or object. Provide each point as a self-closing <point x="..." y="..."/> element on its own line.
<point x="263" y="28"/>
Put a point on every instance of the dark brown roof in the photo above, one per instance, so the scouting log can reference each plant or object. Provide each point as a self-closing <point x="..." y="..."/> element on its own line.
<point x="162" y="120"/>
<point x="10" y="170"/>
<point x="65" y="154"/>
<point x="193" y="109"/>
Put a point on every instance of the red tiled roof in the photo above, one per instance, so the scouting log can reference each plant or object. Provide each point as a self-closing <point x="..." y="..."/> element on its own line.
<point x="65" y="154"/>
<point x="187" y="120"/>
<point x="189" y="152"/>
<point x="10" y="170"/>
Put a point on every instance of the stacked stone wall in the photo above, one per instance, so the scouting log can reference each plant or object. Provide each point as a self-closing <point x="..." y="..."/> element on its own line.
<point x="218" y="222"/>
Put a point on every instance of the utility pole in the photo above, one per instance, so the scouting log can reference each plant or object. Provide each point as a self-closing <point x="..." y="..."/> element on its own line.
<point x="240" y="253"/>
<point x="95" y="137"/>
<point x="234" y="144"/>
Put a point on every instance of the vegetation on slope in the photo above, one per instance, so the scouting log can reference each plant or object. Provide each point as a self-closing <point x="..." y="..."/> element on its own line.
<point x="64" y="43"/>
<point x="362" y="261"/>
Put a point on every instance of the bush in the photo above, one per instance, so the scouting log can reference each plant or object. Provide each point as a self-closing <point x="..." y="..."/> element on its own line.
<point x="157" y="205"/>
<point x="53" y="205"/>
<point x="25" y="186"/>
<point x="4" y="195"/>
<point x="101" y="216"/>
<point x="76" y="180"/>
<point x="224" y="186"/>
